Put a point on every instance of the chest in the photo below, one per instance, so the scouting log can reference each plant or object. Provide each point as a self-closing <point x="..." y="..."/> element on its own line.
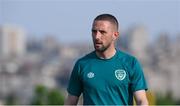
<point x="105" y="75"/>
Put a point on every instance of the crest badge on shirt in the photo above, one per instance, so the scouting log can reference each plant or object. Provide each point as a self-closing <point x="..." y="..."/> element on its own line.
<point x="90" y="75"/>
<point x="120" y="74"/>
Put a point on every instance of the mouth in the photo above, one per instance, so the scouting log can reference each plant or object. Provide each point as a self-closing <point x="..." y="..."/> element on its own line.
<point x="98" y="43"/>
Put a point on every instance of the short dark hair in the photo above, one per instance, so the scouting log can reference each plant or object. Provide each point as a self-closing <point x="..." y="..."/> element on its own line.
<point x="108" y="17"/>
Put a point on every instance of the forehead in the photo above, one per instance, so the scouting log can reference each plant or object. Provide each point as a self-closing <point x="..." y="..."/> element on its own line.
<point x="102" y="24"/>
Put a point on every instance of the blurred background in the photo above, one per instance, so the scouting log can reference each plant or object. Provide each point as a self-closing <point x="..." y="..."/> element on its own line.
<point x="40" y="40"/>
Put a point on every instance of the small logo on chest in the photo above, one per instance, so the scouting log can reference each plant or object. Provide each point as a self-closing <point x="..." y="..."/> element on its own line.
<point x="90" y="75"/>
<point x="120" y="74"/>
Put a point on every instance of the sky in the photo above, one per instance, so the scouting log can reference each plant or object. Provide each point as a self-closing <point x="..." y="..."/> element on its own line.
<point x="71" y="20"/>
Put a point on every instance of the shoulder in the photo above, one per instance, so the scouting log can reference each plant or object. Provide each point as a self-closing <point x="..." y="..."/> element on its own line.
<point x="86" y="58"/>
<point x="126" y="58"/>
<point x="81" y="62"/>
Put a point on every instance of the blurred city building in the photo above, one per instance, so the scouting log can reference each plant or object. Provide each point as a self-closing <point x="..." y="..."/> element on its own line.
<point x="12" y="41"/>
<point x="138" y="41"/>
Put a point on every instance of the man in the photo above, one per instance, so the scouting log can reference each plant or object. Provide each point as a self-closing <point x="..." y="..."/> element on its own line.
<point x="107" y="76"/>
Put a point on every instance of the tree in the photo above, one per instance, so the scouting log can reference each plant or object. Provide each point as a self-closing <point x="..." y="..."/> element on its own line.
<point x="44" y="96"/>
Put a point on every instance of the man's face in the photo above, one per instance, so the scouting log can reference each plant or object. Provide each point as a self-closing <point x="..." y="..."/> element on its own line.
<point x="103" y="34"/>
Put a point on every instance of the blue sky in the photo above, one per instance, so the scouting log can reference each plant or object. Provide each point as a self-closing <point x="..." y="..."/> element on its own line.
<point x="70" y="20"/>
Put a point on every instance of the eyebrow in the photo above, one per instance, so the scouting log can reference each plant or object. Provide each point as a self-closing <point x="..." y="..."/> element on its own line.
<point x="102" y="31"/>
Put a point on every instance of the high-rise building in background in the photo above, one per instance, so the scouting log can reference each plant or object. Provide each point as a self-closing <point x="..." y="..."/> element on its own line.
<point x="138" y="42"/>
<point x="12" y="41"/>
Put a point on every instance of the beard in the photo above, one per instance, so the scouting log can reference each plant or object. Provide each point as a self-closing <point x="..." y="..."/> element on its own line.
<point x="100" y="47"/>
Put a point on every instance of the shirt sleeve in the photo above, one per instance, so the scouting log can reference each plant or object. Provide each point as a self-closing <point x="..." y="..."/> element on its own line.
<point x="138" y="81"/>
<point x="75" y="83"/>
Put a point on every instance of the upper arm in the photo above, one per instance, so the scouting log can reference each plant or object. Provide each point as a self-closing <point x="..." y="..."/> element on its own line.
<point x="138" y="81"/>
<point x="140" y="97"/>
<point x="71" y="100"/>
<point x="74" y="87"/>
<point x="139" y="85"/>
<point x="75" y="83"/>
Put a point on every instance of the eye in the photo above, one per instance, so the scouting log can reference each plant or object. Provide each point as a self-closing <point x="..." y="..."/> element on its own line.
<point x="94" y="31"/>
<point x="102" y="32"/>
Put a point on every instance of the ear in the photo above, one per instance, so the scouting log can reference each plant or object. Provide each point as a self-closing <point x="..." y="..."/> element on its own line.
<point x="116" y="35"/>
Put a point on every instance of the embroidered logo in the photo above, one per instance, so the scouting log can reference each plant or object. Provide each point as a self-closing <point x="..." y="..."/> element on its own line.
<point x="120" y="74"/>
<point x="90" y="75"/>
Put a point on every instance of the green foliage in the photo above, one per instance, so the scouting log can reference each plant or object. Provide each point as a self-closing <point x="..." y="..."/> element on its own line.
<point x="166" y="100"/>
<point x="44" y="96"/>
<point x="55" y="97"/>
<point x="40" y="95"/>
<point x="11" y="99"/>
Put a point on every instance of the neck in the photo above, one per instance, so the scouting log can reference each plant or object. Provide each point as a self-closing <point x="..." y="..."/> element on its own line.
<point x="107" y="54"/>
